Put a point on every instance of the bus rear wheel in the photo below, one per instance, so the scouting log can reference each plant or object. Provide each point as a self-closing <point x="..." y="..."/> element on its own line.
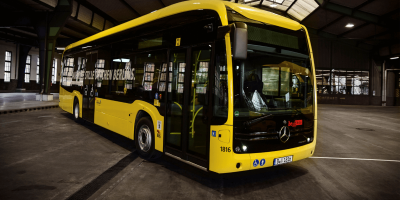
<point x="144" y="139"/>
<point x="76" y="110"/>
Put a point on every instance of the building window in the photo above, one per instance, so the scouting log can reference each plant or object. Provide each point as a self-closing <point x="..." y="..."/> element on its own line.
<point x="148" y="76"/>
<point x="27" y="69"/>
<point x="68" y="71"/>
<point x="99" y="70"/>
<point x="7" y="67"/>
<point x="54" y="72"/>
<point x="349" y="82"/>
<point x="37" y="70"/>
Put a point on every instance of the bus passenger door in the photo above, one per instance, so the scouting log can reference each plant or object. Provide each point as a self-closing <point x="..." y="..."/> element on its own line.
<point x="89" y="87"/>
<point x="187" y="120"/>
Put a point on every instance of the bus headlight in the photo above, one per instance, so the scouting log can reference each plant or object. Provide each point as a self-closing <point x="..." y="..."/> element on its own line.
<point x="244" y="148"/>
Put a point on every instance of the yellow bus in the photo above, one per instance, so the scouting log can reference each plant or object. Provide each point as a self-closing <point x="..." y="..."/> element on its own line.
<point x="221" y="86"/>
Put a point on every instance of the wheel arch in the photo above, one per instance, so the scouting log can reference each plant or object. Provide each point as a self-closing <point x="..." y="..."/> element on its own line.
<point x="148" y="110"/>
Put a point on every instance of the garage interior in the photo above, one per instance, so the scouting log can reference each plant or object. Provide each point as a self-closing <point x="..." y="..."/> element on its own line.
<point x="44" y="154"/>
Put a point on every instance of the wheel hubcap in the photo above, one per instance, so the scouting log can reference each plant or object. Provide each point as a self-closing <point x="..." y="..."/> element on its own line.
<point x="144" y="138"/>
<point x="76" y="111"/>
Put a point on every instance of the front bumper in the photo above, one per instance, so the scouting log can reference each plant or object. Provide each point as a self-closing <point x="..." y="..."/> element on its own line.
<point x="227" y="161"/>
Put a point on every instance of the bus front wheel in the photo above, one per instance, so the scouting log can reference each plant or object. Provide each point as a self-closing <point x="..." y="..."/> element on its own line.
<point x="144" y="138"/>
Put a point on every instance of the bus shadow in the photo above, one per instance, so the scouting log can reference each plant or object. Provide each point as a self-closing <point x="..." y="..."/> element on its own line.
<point x="118" y="139"/>
<point x="231" y="184"/>
<point x="234" y="184"/>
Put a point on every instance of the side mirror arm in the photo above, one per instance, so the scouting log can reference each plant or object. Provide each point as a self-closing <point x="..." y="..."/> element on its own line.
<point x="239" y="40"/>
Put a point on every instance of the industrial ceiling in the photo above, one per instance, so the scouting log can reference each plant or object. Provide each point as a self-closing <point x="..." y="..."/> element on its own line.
<point x="373" y="25"/>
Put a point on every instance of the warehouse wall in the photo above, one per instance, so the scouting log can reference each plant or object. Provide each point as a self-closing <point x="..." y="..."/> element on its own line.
<point x="333" y="54"/>
<point x="32" y="86"/>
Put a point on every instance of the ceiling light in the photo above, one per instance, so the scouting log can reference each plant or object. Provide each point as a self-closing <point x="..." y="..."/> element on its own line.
<point x="349" y="25"/>
<point x="273" y="5"/>
<point x="392" y="58"/>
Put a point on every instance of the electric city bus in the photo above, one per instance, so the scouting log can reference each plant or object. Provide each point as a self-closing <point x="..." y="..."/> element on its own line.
<point x="221" y="86"/>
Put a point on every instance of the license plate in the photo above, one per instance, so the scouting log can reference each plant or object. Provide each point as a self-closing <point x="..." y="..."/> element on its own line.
<point x="283" y="160"/>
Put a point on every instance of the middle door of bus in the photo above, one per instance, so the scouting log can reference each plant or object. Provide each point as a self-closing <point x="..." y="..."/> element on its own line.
<point x="187" y="125"/>
<point x="89" y="87"/>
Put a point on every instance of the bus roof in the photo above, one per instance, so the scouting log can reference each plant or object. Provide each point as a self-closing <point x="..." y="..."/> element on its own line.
<point x="218" y="6"/>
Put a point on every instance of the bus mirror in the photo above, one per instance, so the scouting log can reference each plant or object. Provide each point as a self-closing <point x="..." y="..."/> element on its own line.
<point x="239" y="40"/>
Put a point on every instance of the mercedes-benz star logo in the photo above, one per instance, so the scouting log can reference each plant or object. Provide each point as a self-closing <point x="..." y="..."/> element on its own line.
<point x="284" y="134"/>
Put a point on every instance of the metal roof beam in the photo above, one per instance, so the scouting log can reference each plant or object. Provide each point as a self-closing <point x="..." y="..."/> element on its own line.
<point x="162" y="3"/>
<point x="286" y="11"/>
<point x="367" y="17"/>
<point x="130" y="7"/>
<point x="5" y="35"/>
<point x="330" y="23"/>
<point x="79" y="31"/>
<point x="327" y="35"/>
<point x="12" y="19"/>
<point x="353" y="29"/>
<point x="97" y="11"/>
<point x="358" y="27"/>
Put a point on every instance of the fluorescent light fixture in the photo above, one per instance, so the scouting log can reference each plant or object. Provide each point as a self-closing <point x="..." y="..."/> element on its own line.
<point x="60" y="48"/>
<point x="349" y="25"/>
<point x="124" y="60"/>
<point x="392" y="58"/>
<point x="86" y="47"/>
<point x="273" y="5"/>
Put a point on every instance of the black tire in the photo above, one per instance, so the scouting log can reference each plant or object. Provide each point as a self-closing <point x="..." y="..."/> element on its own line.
<point x="75" y="110"/>
<point x="144" y="132"/>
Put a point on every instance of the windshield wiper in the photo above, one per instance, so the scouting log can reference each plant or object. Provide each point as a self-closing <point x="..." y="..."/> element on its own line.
<point x="256" y="120"/>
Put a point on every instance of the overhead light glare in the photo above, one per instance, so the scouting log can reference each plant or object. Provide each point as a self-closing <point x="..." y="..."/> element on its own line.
<point x="273" y="5"/>
<point x="349" y="25"/>
<point x="392" y="58"/>
<point x="124" y="60"/>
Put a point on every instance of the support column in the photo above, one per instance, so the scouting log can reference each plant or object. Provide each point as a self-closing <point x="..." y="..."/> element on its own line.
<point x="23" y="53"/>
<point x="48" y="29"/>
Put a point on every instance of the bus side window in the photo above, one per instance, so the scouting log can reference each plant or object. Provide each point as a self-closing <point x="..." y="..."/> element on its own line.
<point x="103" y="74"/>
<point x="147" y="71"/>
<point x="68" y="71"/>
<point x="137" y="84"/>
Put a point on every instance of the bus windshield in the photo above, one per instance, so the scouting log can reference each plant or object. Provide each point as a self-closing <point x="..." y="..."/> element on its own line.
<point x="276" y="77"/>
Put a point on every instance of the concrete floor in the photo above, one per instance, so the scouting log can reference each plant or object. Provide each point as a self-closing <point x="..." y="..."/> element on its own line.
<point x="46" y="155"/>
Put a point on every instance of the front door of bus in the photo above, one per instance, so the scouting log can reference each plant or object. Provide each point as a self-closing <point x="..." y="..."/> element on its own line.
<point x="186" y="123"/>
<point x="89" y="87"/>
